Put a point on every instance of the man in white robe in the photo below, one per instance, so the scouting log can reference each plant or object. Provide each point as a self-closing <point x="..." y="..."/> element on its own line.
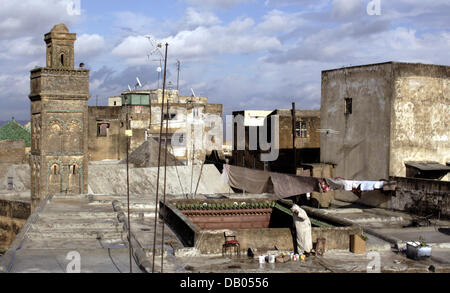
<point x="303" y="229"/>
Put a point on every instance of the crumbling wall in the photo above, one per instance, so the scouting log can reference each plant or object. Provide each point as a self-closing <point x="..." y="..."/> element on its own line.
<point x="422" y="197"/>
<point x="420" y="129"/>
<point x="13" y="215"/>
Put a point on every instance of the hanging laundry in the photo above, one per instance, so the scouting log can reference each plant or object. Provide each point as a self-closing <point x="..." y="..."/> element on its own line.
<point x="363" y="185"/>
<point x="323" y="186"/>
<point x="249" y="180"/>
<point x="358" y="186"/>
<point x="286" y="185"/>
<point x="335" y="183"/>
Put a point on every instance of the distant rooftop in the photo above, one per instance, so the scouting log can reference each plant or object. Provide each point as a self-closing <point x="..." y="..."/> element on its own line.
<point x="14" y="130"/>
<point x="382" y="63"/>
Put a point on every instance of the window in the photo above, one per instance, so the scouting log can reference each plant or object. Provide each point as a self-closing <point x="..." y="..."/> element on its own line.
<point x="348" y="106"/>
<point x="164" y="138"/>
<point x="115" y="103"/>
<point x="195" y="112"/>
<point x="300" y="129"/>
<point x="102" y="129"/>
<point x="10" y="183"/>
<point x="170" y="116"/>
<point x="62" y="59"/>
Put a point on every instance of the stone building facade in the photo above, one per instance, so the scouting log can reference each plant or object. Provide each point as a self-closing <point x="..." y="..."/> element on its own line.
<point x="192" y="122"/>
<point x="59" y="117"/>
<point x="12" y="152"/>
<point x="307" y="139"/>
<point x="381" y="116"/>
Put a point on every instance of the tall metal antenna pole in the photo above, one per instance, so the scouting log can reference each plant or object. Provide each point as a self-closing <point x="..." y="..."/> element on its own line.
<point x="178" y="75"/>
<point x="159" y="163"/>
<point x="294" y="123"/>
<point x="128" y="189"/>
<point x="165" y="167"/>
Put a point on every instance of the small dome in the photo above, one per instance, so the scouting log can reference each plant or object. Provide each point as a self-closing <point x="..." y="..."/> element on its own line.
<point x="61" y="28"/>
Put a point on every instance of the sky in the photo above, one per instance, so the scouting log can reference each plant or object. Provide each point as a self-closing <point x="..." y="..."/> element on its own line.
<point x="244" y="54"/>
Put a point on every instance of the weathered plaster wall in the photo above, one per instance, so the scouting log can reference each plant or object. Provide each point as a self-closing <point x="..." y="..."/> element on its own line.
<point x="13" y="215"/>
<point x="12" y="151"/>
<point x="422" y="197"/>
<point x="420" y="129"/>
<point x="113" y="145"/>
<point x="357" y="143"/>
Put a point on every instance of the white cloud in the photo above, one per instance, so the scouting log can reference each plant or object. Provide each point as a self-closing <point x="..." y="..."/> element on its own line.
<point x="276" y="21"/>
<point x="238" y="37"/>
<point x="195" y="18"/>
<point x="343" y="9"/>
<point x="89" y="45"/>
<point x="32" y="16"/>
<point x="218" y="3"/>
<point x="21" y="47"/>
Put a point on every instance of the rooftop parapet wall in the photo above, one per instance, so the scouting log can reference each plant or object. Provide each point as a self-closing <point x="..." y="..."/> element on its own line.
<point x="422" y="197"/>
<point x="279" y="233"/>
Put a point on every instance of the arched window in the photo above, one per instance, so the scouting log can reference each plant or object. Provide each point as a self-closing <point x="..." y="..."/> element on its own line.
<point x="62" y="59"/>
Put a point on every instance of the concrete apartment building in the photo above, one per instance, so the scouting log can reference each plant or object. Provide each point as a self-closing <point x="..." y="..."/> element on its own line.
<point x="378" y="118"/>
<point x="192" y="121"/>
<point x="307" y="139"/>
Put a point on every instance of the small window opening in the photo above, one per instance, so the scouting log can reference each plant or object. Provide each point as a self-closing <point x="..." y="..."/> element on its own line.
<point x="102" y="129"/>
<point x="301" y="129"/>
<point x="10" y="183"/>
<point x="62" y="59"/>
<point x="55" y="170"/>
<point x="348" y="106"/>
<point x="171" y="116"/>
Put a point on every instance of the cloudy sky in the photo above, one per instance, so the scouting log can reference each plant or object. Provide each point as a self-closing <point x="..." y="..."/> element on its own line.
<point x="245" y="54"/>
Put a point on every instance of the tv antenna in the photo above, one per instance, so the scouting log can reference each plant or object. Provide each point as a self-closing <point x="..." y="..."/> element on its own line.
<point x="328" y="131"/>
<point x="155" y="49"/>
<point x="178" y="75"/>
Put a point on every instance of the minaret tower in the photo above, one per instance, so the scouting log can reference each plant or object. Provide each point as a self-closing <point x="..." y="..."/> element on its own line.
<point x="59" y="108"/>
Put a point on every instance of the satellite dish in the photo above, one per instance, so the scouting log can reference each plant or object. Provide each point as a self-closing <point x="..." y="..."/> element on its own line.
<point x="138" y="82"/>
<point x="159" y="69"/>
<point x="129" y="88"/>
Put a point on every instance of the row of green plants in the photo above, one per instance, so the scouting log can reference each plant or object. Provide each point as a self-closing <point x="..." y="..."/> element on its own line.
<point x="224" y="206"/>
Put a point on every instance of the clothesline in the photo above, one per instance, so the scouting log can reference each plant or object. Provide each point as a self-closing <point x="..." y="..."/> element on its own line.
<point x="286" y="185"/>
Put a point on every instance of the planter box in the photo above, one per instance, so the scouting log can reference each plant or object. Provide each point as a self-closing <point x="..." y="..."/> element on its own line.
<point x="230" y="219"/>
<point x="357" y="244"/>
<point x="415" y="251"/>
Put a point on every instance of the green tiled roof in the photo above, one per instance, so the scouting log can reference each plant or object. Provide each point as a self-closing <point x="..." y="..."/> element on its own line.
<point x="13" y="130"/>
